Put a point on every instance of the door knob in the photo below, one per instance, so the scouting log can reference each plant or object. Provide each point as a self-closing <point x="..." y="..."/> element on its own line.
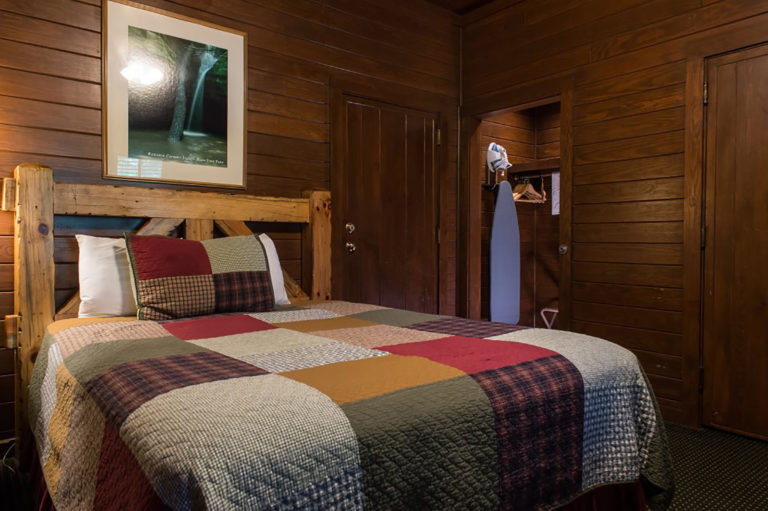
<point x="350" y="227"/>
<point x="351" y="247"/>
<point x="562" y="249"/>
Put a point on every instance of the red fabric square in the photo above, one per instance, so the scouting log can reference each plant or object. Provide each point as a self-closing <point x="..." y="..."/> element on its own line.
<point x="121" y="482"/>
<point x="471" y="355"/>
<point x="215" y="326"/>
<point x="157" y="257"/>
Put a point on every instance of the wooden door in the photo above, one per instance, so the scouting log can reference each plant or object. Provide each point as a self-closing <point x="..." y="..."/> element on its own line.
<point x="385" y="205"/>
<point x="735" y="341"/>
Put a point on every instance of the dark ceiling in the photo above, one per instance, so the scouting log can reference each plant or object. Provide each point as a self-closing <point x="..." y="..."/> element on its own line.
<point x="460" y="6"/>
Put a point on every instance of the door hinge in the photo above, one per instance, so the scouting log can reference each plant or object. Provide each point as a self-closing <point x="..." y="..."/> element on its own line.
<point x="706" y="93"/>
<point x="703" y="237"/>
<point x="701" y="378"/>
<point x="439" y="136"/>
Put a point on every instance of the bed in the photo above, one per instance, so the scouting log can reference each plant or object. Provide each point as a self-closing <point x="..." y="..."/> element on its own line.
<point x="328" y="404"/>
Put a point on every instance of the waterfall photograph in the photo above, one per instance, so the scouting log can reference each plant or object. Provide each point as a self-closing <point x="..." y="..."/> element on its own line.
<point x="177" y="99"/>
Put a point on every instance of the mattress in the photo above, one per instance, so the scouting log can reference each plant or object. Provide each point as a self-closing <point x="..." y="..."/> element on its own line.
<point x="338" y="405"/>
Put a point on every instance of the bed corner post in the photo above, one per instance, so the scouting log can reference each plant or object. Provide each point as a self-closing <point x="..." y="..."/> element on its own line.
<point x="33" y="274"/>
<point x="316" y="243"/>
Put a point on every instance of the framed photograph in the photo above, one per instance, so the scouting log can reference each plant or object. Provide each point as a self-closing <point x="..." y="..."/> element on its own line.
<point x="174" y="98"/>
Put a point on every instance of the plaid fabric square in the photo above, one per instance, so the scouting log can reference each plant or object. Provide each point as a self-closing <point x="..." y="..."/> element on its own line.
<point x="538" y="407"/>
<point x="177" y="278"/>
<point x="123" y="388"/>
<point x="176" y="297"/>
<point x="236" y="254"/>
<point x="466" y="327"/>
<point x="243" y="291"/>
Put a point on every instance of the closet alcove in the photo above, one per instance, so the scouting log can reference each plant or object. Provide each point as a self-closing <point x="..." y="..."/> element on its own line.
<point x="531" y="138"/>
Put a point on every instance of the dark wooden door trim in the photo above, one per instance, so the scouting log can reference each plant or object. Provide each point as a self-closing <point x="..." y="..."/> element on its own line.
<point x="470" y="181"/>
<point x="692" y="256"/>
<point x="566" y="203"/>
<point x="403" y="97"/>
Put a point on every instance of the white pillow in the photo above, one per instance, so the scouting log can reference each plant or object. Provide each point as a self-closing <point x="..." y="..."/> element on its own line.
<point x="105" y="278"/>
<point x="275" y="271"/>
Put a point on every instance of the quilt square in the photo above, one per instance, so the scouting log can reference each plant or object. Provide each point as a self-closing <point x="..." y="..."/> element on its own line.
<point x="539" y="409"/>
<point x="215" y="326"/>
<point x="94" y="359"/>
<point x="436" y="440"/>
<point x="315" y="325"/>
<point x="466" y="327"/>
<point x="243" y="346"/>
<point x="346" y="382"/>
<point x="236" y="254"/>
<point x="395" y="317"/>
<point x="64" y="324"/>
<point x="236" y="291"/>
<point x="287" y="316"/>
<point x="346" y="308"/>
<point x="72" y="339"/>
<point x="471" y="355"/>
<point x="377" y="335"/>
<point x="123" y="388"/>
<point x="167" y="257"/>
<point x="177" y="297"/>
<point x="311" y="356"/>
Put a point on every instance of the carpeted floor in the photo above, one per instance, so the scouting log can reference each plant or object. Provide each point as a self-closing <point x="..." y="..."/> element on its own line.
<point x="715" y="470"/>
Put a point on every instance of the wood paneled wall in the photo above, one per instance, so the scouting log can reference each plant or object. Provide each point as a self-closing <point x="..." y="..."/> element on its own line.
<point x="50" y="99"/>
<point x="626" y="62"/>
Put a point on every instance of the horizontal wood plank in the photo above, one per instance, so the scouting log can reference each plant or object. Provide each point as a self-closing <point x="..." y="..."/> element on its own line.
<point x="635" y="232"/>
<point x="638" y="125"/>
<point x="633" y="338"/>
<point x="655" y="167"/>
<point x="635" y="317"/>
<point x="631" y="105"/>
<point x="634" y="296"/>
<point x="648" y="211"/>
<point x="107" y="200"/>
<point x="642" y="253"/>
<point x="630" y="274"/>
<point x="630" y="148"/>
<point x="628" y="191"/>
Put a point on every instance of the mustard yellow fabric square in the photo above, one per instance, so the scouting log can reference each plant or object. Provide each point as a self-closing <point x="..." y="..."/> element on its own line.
<point x="346" y="382"/>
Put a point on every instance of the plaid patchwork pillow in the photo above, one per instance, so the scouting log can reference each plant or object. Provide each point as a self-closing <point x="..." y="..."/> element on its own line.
<point x="175" y="278"/>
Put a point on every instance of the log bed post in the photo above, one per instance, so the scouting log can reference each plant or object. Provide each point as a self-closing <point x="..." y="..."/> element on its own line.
<point x="316" y="245"/>
<point x="33" y="273"/>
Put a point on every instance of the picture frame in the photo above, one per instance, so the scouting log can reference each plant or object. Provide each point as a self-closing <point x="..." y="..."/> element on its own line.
<point x="174" y="98"/>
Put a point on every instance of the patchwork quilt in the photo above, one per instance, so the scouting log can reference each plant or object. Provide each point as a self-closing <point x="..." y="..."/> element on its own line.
<point x="338" y="405"/>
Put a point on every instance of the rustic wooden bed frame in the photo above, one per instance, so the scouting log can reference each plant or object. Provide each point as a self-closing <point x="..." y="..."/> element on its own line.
<point x="34" y="198"/>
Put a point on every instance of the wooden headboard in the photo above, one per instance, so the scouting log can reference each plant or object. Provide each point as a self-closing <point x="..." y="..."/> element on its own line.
<point x="35" y="198"/>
